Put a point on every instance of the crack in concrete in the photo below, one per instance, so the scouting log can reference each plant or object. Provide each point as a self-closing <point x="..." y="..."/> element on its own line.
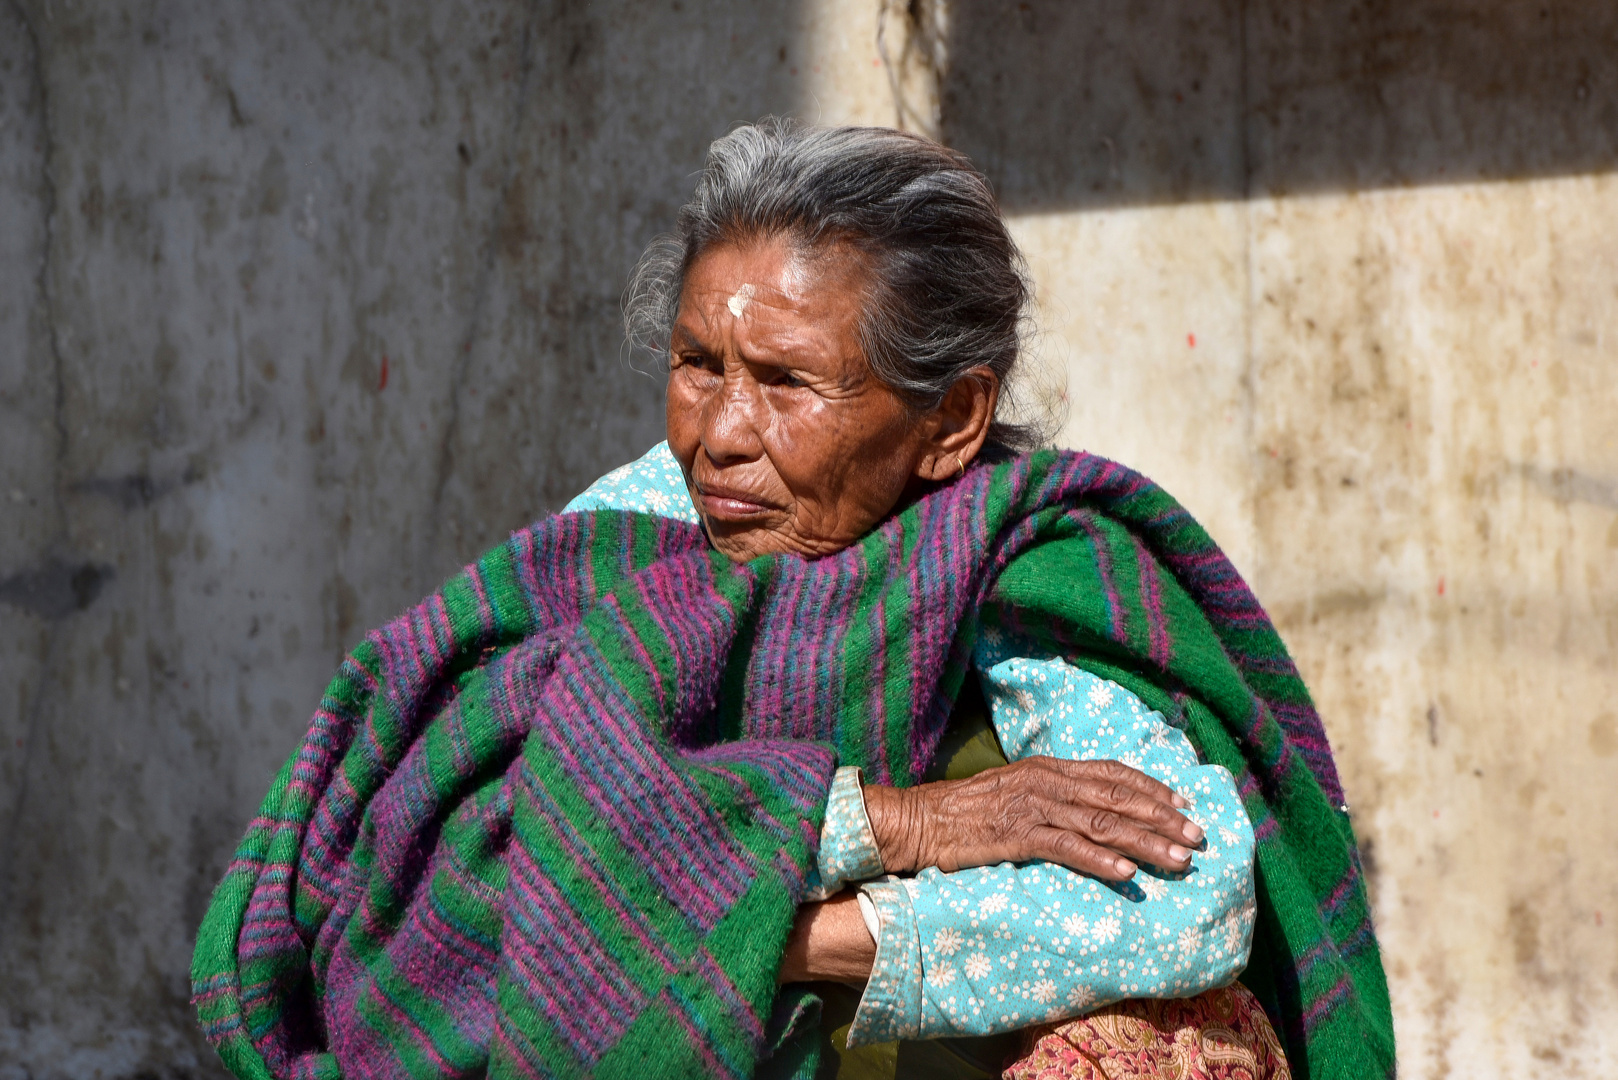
<point x="35" y="709"/>
<point x="480" y="293"/>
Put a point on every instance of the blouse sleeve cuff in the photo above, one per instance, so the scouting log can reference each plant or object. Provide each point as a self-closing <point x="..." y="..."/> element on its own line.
<point x="891" y="1006"/>
<point x="848" y="849"/>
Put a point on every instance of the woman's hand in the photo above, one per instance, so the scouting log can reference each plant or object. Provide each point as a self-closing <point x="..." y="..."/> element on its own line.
<point x="829" y="941"/>
<point x="1091" y="816"/>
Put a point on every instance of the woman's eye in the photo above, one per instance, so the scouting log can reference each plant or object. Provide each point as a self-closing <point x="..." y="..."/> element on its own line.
<point x="699" y="361"/>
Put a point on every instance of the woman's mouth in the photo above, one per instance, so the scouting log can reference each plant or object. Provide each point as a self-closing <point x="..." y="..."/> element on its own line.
<point x="730" y="504"/>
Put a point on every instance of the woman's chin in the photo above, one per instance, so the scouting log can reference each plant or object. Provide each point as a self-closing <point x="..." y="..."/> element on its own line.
<point x="741" y="546"/>
<point x="740" y="542"/>
<point x="747" y="539"/>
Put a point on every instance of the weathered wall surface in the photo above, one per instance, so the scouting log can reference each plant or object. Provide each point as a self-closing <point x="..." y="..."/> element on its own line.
<point x="303" y="305"/>
<point x="1345" y="278"/>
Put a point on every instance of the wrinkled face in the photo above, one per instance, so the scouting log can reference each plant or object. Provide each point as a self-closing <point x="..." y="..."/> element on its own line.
<point x="788" y="442"/>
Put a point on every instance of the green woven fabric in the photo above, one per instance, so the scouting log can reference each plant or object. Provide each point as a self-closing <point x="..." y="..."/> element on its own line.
<point x="556" y="819"/>
<point x="1315" y="963"/>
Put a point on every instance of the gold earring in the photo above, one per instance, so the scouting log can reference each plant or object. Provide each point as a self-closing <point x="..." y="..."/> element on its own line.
<point x="960" y="467"/>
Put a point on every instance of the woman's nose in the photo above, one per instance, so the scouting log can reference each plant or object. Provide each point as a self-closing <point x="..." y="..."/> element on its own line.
<point x="729" y="428"/>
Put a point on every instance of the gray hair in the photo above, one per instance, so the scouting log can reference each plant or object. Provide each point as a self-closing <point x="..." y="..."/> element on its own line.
<point x="950" y="287"/>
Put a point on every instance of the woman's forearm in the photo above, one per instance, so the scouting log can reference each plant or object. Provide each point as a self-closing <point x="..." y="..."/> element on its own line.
<point x="829" y="942"/>
<point x="995" y="948"/>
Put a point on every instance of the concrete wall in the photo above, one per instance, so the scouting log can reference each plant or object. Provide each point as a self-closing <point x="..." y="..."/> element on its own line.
<point x="303" y="305"/>
<point x="1345" y="278"/>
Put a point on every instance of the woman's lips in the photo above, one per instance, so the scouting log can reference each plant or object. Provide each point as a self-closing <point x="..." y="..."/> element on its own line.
<point x="728" y="504"/>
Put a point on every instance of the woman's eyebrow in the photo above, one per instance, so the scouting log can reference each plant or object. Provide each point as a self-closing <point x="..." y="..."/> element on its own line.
<point x="681" y="337"/>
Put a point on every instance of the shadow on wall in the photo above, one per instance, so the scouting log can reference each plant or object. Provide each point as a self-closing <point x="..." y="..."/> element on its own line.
<point x="1088" y="103"/>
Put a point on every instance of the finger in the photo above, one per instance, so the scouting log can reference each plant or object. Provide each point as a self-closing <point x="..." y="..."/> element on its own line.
<point x="1130" y="802"/>
<point x="1107" y="829"/>
<point x="1116" y="772"/>
<point x="1073" y="851"/>
<point x="1129" y="791"/>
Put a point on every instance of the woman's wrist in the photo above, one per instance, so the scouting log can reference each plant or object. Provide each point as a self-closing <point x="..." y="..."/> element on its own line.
<point x="829" y="941"/>
<point x="898" y="822"/>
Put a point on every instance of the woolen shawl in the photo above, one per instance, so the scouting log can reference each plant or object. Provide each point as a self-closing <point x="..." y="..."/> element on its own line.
<point x="556" y="819"/>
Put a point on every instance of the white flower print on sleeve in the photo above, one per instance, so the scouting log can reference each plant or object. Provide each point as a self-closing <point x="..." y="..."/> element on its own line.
<point x="998" y="948"/>
<point x="848" y="850"/>
<point x="651" y="484"/>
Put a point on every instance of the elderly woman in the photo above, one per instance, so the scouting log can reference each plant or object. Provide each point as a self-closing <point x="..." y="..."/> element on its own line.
<point x="838" y="688"/>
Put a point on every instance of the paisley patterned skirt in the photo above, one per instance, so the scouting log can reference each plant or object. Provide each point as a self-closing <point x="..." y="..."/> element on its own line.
<point x="1219" y="1035"/>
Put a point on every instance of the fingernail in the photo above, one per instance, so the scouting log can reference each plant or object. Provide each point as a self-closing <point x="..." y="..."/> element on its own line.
<point x="1124" y="867"/>
<point x="1180" y="801"/>
<point x="1178" y="853"/>
<point x="1194" y="833"/>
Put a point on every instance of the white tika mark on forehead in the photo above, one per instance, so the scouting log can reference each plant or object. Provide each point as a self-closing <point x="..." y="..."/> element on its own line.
<point x="738" y="303"/>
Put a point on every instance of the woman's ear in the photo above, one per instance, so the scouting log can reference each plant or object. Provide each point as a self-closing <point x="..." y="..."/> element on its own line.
<point x="957" y="428"/>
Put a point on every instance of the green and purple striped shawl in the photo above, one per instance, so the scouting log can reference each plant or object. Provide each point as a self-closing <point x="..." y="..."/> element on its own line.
<point x="556" y="819"/>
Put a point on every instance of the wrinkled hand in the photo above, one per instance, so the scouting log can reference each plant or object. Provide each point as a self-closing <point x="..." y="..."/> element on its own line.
<point x="1091" y="816"/>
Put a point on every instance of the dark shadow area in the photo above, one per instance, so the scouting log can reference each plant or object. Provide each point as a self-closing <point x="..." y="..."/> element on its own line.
<point x="1076" y="103"/>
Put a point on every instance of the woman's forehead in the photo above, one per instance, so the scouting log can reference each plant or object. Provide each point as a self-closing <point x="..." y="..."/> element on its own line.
<point x="770" y="327"/>
<point x="734" y="275"/>
<point x="767" y="290"/>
